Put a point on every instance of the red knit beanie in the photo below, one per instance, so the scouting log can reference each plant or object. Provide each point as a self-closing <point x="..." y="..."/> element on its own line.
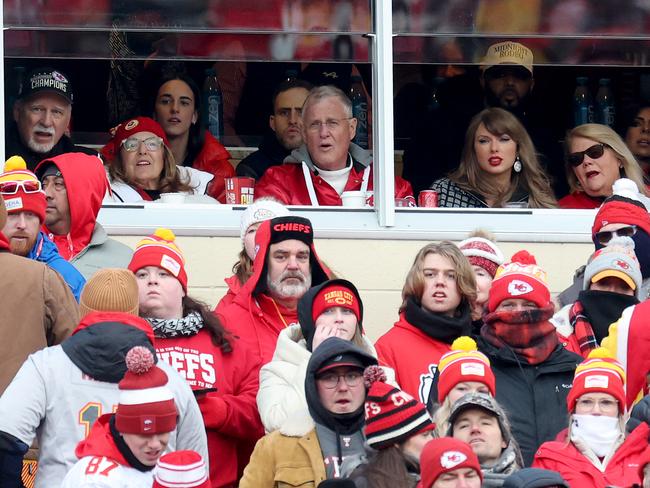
<point x="520" y="278"/>
<point x="392" y="415"/>
<point x="443" y="455"/>
<point x="623" y="207"/>
<point x="181" y="469"/>
<point x="160" y="249"/>
<point x="599" y="373"/>
<point x="464" y="363"/>
<point x="146" y="404"/>
<point x="482" y="252"/>
<point x="336" y="295"/>
<point x="13" y="183"/>
<point x="129" y="128"/>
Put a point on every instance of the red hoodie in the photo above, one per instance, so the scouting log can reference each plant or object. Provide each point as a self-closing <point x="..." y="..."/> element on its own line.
<point x="86" y="185"/>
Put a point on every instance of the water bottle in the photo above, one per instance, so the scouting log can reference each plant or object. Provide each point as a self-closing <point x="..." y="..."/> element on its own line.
<point x="359" y="111"/>
<point x="605" y="111"/>
<point x="583" y="106"/>
<point x="212" y="109"/>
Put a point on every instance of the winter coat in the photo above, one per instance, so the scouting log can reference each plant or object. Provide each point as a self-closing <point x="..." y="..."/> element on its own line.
<point x="46" y="252"/>
<point x="534" y="396"/>
<point x="225" y="385"/>
<point x="233" y="288"/>
<point x="102" y="465"/>
<point x="579" y="199"/>
<point x="270" y="153"/>
<point x="38" y="310"/>
<point x="286" y="183"/>
<point x="101" y="252"/>
<point x="451" y="195"/>
<point x="413" y="355"/>
<point x="60" y="391"/>
<point x="622" y="469"/>
<point x="213" y="159"/>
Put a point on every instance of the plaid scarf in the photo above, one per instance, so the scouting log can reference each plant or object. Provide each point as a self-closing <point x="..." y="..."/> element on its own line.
<point x="528" y="333"/>
<point x="582" y="329"/>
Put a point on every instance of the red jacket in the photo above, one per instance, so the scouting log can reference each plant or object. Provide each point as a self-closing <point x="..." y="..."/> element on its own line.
<point x="100" y="442"/>
<point x="286" y="183"/>
<point x="233" y="288"/>
<point x="214" y="158"/>
<point x="230" y="411"/>
<point x="413" y="355"/>
<point x="578" y="471"/>
<point x="579" y="199"/>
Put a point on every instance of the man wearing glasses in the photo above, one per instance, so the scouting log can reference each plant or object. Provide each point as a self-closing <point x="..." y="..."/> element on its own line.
<point x="328" y="444"/>
<point x="328" y="163"/>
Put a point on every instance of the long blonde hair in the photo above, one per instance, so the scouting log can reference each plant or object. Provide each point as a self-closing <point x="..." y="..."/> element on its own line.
<point x="470" y="177"/>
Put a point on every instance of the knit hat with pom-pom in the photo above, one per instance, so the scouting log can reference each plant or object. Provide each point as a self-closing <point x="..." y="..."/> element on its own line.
<point x="21" y="189"/>
<point x="482" y="252"/>
<point x="520" y="278"/>
<point x="464" y="363"/>
<point x="181" y="469"/>
<point x="617" y="260"/>
<point x="624" y="206"/>
<point x="599" y="373"/>
<point x="146" y="404"/>
<point x="160" y="249"/>
<point x="392" y="415"/>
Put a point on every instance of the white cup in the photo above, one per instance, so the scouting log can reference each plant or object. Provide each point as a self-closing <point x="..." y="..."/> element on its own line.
<point x="175" y="198"/>
<point x="354" y="199"/>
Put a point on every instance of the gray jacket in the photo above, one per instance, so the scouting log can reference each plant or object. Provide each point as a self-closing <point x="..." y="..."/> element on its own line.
<point x="101" y="252"/>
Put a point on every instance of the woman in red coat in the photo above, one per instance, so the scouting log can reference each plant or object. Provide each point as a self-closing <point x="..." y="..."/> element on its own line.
<point x="596" y="451"/>
<point x="222" y="373"/>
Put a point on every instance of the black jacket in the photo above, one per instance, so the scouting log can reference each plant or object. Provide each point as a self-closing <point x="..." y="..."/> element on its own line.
<point x="534" y="396"/>
<point x="270" y="153"/>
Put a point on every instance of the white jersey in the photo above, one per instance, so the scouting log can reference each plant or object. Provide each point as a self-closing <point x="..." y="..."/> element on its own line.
<point x="53" y="399"/>
<point x="103" y="472"/>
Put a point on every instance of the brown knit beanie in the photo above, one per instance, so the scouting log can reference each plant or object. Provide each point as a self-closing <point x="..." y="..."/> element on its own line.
<point x="110" y="290"/>
<point x="3" y="213"/>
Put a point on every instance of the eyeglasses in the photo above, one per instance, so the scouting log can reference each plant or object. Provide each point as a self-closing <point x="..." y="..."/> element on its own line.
<point x="594" y="152"/>
<point x="331" y="380"/>
<point x="28" y="186"/>
<point x="151" y="144"/>
<point x="331" y="124"/>
<point x="604" y="404"/>
<point x="604" y="236"/>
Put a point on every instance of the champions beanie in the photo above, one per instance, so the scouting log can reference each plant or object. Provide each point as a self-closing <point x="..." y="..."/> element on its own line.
<point x="392" y="415"/>
<point x="482" y="252"/>
<point x="616" y="259"/>
<point x="624" y="206"/>
<point x="464" y="363"/>
<point x="110" y="290"/>
<point x="181" y="469"/>
<point x="443" y="455"/>
<point x="601" y="373"/>
<point x="336" y="294"/>
<point x="129" y="128"/>
<point x="160" y="249"/>
<point x="520" y="278"/>
<point x="146" y="405"/>
<point x="21" y="189"/>
<point x="262" y="209"/>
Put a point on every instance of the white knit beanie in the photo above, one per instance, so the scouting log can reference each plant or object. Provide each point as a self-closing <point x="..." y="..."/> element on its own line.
<point x="259" y="211"/>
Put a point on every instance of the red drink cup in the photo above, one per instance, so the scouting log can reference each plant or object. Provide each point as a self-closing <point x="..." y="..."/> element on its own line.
<point x="428" y="198"/>
<point x="240" y="190"/>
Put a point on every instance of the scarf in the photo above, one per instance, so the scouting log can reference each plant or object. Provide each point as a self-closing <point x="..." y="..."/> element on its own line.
<point x="437" y="326"/>
<point x="599" y="309"/>
<point x="528" y="333"/>
<point x="188" y="326"/>
<point x="124" y="449"/>
<point x="598" y="432"/>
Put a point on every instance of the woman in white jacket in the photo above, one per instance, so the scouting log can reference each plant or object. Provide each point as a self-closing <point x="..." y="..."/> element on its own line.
<point x="331" y="309"/>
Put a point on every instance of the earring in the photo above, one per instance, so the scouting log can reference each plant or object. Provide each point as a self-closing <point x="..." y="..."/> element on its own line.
<point x="517" y="166"/>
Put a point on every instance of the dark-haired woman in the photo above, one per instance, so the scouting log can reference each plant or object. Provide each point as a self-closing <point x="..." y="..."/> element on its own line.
<point x="191" y="339"/>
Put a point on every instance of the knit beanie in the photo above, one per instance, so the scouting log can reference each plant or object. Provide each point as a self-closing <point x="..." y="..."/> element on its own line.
<point x="600" y="372"/>
<point x="160" y="249"/>
<point x="482" y="252"/>
<point x="146" y="404"/>
<point x="443" y="455"/>
<point x="21" y="189"/>
<point x="624" y="206"/>
<point x="129" y="128"/>
<point x="616" y="259"/>
<point x="392" y="415"/>
<point x="259" y="211"/>
<point x="464" y="363"/>
<point x="520" y="278"/>
<point x="181" y="469"/>
<point x="336" y="294"/>
<point x="110" y="290"/>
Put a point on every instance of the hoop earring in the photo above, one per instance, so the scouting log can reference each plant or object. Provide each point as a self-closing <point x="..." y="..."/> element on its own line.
<point x="517" y="166"/>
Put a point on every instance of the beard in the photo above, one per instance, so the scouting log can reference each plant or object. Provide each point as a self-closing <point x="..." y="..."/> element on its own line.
<point x="41" y="148"/>
<point x="278" y="288"/>
<point x="22" y="247"/>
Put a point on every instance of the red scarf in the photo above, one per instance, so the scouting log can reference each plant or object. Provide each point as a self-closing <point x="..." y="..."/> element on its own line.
<point x="582" y="329"/>
<point x="527" y="332"/>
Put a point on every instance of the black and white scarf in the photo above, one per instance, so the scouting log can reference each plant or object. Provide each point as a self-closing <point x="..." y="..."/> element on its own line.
<point x="188" y="326"/>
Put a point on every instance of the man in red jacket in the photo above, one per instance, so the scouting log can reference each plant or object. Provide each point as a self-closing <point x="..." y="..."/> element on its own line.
<point x="328" y="163"/>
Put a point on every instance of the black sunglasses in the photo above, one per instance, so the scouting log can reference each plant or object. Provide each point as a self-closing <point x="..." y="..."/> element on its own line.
<point x="594" y="152"/>
<point x="604" y="236"/>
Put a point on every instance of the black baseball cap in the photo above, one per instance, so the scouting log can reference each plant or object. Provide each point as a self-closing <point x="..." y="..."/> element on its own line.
<point x="42" y="80"/>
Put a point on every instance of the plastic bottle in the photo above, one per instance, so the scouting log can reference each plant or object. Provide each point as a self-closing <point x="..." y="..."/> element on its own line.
<point x="212" y="109"/>
<point x="359" y="111"/>
<point x="605" y="110"/>
<point x="583" y="106"/>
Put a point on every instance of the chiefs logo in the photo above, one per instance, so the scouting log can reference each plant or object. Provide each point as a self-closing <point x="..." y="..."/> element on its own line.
<point x="621" y="264"/>
<point x="451" y="459"/>
<point x="518" y="287"/>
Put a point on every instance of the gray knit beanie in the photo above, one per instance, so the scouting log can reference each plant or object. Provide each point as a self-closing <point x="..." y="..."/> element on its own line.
<point x="617" y="260"/>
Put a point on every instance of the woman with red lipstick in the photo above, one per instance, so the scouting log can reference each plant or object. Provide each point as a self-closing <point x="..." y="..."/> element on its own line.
<point x="596" y="158"/>
<point x="498" y="168"/>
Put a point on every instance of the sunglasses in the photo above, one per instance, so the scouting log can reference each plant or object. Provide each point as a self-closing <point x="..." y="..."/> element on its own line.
<point x="150" y="144"/>
<point x="604" y="236"/>
<point x="594" y="152"/>
<point x="12" y="187"/>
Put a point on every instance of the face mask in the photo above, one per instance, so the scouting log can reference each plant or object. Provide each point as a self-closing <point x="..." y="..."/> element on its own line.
<point x="598" y="432"/>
